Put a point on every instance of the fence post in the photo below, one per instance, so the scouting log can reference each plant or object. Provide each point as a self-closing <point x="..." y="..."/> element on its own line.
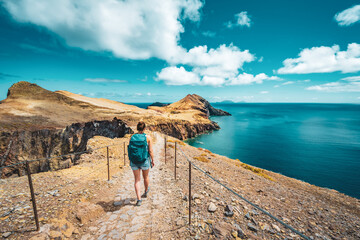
<point x="124" y="154"/>
<point x="108" y="162"/>
<point x="190" y="193"/>
<point x="32" y="196"/>
<point x="175" y="159"/>
<point x="165" y="148"/>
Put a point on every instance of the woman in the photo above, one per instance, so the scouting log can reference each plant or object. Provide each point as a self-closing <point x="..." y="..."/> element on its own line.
<point x="141" y="156"/>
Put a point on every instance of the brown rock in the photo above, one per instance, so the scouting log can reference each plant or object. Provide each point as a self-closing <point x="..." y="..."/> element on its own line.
<point x="55" y="235"/>
<point x="86" y="211"/>
<point x="42" y="236"/>
<point x="222" y="229"/>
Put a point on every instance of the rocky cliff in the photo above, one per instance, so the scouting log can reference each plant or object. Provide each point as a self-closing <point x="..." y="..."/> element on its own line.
<point x="38" y="123"/>
<point x="183" y="129"/>
<point x="193" y="102"/>
<point x="45" y="143"/>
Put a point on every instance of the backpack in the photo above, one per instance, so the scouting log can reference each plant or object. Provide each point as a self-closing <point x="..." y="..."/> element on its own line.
<point x="138" y="149"/>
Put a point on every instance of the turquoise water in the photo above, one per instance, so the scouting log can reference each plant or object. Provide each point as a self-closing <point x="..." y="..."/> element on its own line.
<point x="317" y="143"/>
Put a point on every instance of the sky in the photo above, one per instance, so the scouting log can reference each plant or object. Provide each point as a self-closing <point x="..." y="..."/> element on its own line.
<point x="147" y="51"/>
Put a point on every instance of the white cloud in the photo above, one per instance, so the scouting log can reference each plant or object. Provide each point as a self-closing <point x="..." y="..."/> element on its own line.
<point x="178" y="76"/>
<point x="324" y="59"/>
<point x="353" y="78"/>
<point x="228" y="58"/>
<point x="213" y="81"/>
<point x="349" y="84"/>
<point x="214" y="67"/>
<point x="288" y="82"/>
<point x="241" y="19"/>
<point x="264" y="92"/>
<point x="136" y="29"/>
<point x="246" y="79"/>
<point x="104" y="80"/>
<point x="348" y="16"/>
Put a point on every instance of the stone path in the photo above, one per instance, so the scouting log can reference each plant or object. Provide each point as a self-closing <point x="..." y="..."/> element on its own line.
<point x="130" y="221"/>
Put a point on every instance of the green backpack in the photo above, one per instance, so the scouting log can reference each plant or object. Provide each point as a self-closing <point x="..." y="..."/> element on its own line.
<point x="138" y="149"/>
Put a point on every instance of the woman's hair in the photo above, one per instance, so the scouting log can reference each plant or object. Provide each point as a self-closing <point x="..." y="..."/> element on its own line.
<point x="141" y="126"/>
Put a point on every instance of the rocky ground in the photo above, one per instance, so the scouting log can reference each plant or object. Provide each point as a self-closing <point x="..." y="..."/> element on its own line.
<point x="79" y="203"/>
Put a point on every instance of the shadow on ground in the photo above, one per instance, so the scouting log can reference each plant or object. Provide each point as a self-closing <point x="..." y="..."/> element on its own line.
<point x="113" y="206"/>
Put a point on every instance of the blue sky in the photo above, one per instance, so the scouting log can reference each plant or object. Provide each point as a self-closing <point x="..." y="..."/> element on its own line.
<point x="145" y="51"/>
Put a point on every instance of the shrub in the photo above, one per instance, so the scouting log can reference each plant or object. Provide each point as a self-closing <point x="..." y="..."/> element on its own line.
<point x="255" y="170"/>
<point x="201" y="159"/>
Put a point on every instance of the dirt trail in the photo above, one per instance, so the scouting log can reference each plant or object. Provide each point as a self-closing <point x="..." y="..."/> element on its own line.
<point x="132" y="222"/>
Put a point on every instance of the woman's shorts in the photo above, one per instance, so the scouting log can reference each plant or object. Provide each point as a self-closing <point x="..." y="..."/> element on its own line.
<point x="143" y="166"/>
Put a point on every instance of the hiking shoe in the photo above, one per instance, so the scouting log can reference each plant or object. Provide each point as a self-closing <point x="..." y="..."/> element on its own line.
<point x="145" y="193"/>
<point x="138" y="203"/>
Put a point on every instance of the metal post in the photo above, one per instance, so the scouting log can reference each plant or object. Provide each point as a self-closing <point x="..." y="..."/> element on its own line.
<point x="175" y="160"/>
<point x="124" y="154"/>
<point x="165" y="148"/>
<point x="189" y="193"/>
<point x="108" y="163"/>
<point x="32" y="196"/>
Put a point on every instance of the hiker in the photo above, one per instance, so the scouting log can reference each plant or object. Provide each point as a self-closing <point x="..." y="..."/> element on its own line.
<point x="141" y="158"/>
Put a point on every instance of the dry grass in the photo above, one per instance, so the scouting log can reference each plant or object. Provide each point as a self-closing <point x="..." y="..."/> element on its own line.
<point x="177" y="141"/>
<point x="207" y="151"/>
<point x="201" y="159"/>
<point x="255" y="170"/>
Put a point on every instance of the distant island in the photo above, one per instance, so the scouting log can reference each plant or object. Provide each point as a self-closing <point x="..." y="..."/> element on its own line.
<point x="158" y="104"/>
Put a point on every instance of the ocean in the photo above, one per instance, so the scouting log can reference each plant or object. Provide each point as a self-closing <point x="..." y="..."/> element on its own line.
<point x="316" y="143"/>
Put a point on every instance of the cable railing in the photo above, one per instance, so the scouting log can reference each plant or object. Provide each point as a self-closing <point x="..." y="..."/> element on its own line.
<point x="192" y="164"/>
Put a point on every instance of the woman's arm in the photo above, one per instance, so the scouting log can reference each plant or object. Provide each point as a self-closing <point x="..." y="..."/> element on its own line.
<point x="151" y="151"/>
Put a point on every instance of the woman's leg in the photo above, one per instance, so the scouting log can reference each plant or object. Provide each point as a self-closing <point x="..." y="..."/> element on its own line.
<point x="137" y="183"/>
<point x="146" y="178"/>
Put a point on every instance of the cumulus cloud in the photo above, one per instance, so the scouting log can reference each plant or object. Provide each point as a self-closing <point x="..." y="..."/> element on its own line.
<point x="348" y="16"/>
<point x="348" y="84"/>
<point x="136" y="29"/>
<point x="178" y="76"/>
<point x="247" y="79"/>
<point x="241" y="19"/>
<point x="104" y="80"/>
<point x="324" y="59"/>
<point x="264" y="92"/>
<point x="215" y="67"/>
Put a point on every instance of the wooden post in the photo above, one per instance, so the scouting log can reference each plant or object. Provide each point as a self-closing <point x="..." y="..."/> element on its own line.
<point x="165" y="148"/>
<point x="189" y="193"/>
<point x="124" y="154"/>
<point x="32" y="196"/>
<point x="108" y="163"/>
<point x="175" y="160"/>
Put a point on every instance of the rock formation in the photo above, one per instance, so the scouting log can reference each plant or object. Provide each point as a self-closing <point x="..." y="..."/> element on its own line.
<point x="194" y="102"/>
<point x="46" y="143"/>
<point x="38" y="123"/>
<point x="158" y="104"/>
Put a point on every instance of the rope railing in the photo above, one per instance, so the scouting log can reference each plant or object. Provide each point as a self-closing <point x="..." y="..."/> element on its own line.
<point x="191" y="164"/>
